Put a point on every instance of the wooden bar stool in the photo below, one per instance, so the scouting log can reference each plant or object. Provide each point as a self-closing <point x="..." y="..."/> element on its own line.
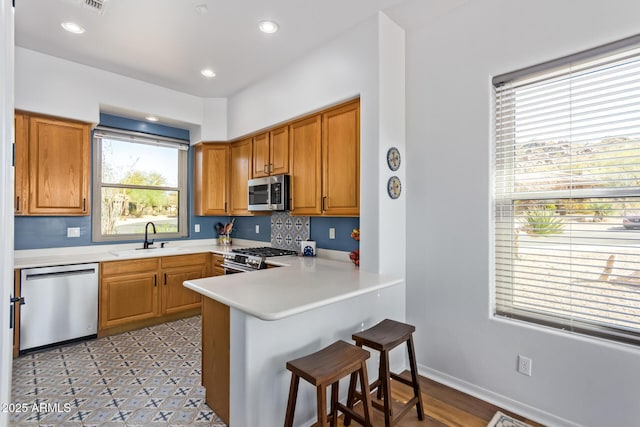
<point x="326" y="367"/>
<point x="384" y="337"/>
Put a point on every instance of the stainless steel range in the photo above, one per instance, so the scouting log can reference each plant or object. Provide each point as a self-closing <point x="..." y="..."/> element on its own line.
<point x="250" y="259"/>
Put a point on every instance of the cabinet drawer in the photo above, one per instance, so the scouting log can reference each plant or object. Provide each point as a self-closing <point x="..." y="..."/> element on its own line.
<point x="182" y="260"/>
<point x="142" y="265"/>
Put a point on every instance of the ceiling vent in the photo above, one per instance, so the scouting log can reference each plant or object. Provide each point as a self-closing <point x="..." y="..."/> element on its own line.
<point x="96" y="6"/>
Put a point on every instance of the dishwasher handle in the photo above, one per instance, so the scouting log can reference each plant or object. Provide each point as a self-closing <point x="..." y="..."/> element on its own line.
<point x="13" y="301"/>
<point x="36" y="276"/>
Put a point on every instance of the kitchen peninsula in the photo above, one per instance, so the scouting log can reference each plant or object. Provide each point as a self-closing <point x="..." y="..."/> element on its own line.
<point x="253" y="323"/>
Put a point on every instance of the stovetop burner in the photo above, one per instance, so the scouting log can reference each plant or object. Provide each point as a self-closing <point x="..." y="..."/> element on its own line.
<point x="265" y="252"/>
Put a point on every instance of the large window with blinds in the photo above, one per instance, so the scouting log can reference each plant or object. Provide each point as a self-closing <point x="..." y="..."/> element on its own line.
<point x="567" y="193"/>
<point x="138" y="178"/>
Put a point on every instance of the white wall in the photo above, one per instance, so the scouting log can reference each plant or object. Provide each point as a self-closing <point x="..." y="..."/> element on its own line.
<point x="6" y="200"/>
<point x="49" y="85"/>
<point x="450" y="63"/>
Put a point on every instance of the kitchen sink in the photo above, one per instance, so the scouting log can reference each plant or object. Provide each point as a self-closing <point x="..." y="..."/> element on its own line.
<point x="140" y="252"/>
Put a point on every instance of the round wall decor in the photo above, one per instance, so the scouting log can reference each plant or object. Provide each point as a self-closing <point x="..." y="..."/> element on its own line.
<point x="394" y="187"/>
<point x="393" y="158"/>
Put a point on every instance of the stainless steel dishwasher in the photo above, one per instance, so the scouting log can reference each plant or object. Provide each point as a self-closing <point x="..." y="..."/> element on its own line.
<point x="60" y="304"/>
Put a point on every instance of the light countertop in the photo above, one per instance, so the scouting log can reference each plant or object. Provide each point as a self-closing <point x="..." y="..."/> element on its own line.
<point x="120" y="252"/>
<point x="298" y="285"/>
<point x="301" y="284"/>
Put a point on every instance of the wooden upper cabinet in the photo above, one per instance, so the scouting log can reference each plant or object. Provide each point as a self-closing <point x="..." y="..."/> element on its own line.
<point x="59" y="167"/>
<point x="341" y="161"/>
<point x="306" y="164"/>
<point x="240" y="173"/>
<point x="211" y="169"/>
<point x="21" y="183"/>
<point x="279" y="151"/>
<point x="260" y="163"/>
<point x="271" y="153"/>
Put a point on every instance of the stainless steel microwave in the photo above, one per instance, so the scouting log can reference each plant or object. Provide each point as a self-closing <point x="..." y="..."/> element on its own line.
<point x="270" y="193"/>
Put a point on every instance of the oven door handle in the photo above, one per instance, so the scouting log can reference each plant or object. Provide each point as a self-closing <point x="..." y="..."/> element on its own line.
<point x="236" y="268"/>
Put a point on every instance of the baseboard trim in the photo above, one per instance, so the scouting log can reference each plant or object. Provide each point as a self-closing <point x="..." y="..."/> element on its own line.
<point x="507" y="403"/>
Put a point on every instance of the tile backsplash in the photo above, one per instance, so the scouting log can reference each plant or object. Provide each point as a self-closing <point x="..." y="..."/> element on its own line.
<point x="288" y="231"/>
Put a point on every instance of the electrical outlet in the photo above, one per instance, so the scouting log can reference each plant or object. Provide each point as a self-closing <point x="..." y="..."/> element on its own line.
<point x="332" y="233"/>
<point x="73" y="231"/>
<point x="196" y="228"/>
<point x="257" y="228"/>
<point x="524" y="365"/>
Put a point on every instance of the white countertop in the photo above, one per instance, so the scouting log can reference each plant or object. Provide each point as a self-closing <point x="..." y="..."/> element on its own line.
<point x="301" y="284"/>
<point x="119" y="252"/>
<point x="298" y="285"/>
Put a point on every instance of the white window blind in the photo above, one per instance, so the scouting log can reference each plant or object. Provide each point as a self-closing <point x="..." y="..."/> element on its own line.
<point x="567" y="195"/>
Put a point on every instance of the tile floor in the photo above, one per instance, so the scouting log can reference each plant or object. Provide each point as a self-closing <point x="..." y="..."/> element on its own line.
<point x="148" y="377"/>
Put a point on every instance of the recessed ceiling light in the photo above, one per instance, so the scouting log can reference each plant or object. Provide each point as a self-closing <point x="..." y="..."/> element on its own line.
<point x="268" y="27"/>
<point x="202" y="9"/>
<point x="152" y="118"/>
<point x="72" y="27"/>
<point x="208" y="72"/>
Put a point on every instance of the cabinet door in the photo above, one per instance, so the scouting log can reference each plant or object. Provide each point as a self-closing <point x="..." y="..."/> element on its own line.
<point x="240" y="175"/>
<point x="260" y="155"/>
<point x="59" y="167"/>
<point x="128" y="297"/>
<point x="279" y="151"/>
<point x="216" y="261"/>
<point x="341" y="161"/>
<point x="21" y="185"/>
<point x="175" y="297"/>
<point x="305" y="166"/>
<point x="211" y="167"/>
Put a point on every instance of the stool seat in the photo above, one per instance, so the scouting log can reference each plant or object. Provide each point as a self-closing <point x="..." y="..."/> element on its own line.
<point x="384" y="337"/>
<point x="326" y="367"/>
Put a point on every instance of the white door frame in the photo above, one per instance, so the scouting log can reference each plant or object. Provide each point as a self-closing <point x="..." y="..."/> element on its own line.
<point x="6" y="200"/>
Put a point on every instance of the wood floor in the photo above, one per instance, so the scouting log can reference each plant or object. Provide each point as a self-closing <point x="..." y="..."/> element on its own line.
<point x="443" y="406"/>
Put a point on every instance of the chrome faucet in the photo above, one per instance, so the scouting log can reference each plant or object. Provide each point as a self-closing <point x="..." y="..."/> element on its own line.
<point x="146" y="243"/>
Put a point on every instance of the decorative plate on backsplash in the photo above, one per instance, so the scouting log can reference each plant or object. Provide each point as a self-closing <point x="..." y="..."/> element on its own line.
<point x="288" y="231"/>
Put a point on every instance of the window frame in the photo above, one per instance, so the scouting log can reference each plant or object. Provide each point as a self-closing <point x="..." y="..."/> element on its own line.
<point x="504" y="207"/>
<point x="103" y="132"/>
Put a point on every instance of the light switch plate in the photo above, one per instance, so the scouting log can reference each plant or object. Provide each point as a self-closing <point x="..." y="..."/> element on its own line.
<point x="73" y="231"/>
<point x="197" y="228"/>
<point x="332" y="233"/>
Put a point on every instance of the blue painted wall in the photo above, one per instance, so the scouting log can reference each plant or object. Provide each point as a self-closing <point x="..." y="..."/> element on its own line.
<point x="343" y="242"/>
<point x="33" y="232"/>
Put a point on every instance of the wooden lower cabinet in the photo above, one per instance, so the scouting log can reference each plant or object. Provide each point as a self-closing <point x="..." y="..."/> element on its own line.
<point x="175" y="270"/>
<point x="16" y="314"/>
<point x="128" y="291"/>
<point x="215" y="356"/>
<point x="142" y="292"/>
<point x="216" y="265"/>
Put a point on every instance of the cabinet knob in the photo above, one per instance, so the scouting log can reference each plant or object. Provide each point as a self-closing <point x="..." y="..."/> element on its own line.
<point x="270" y="167"/>
<point x="18" y="204"/>
<point x="264" y="169"/>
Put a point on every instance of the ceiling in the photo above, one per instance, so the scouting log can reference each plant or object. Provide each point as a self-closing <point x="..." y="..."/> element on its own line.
<point x="167" y="42"/>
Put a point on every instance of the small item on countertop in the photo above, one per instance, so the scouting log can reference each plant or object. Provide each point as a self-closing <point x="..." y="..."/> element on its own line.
<point x="308" y="248"/>
<point x="355" y="234"/>
<point x="355" y="257"/>
<point x="219" y="227"/>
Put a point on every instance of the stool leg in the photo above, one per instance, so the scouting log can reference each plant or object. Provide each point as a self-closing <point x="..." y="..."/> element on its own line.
<point x="334" y="404"/>
<point x="351" y="400"/>
<point x="414" y="378"/>
<point x="291" y="404"/>
<point x="321" y="392"/>
<point x="386" y="387"/>
<point x="380" y="379"/>
<point x="366" y="395"/>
